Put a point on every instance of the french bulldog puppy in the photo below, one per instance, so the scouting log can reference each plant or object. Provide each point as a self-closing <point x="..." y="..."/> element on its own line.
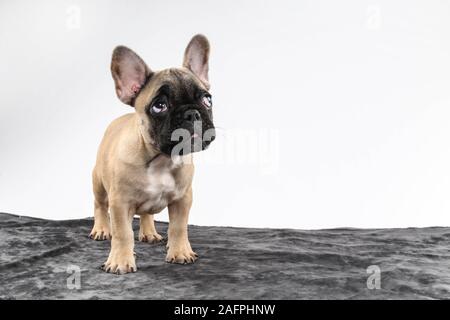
<point x="144" y="162"/>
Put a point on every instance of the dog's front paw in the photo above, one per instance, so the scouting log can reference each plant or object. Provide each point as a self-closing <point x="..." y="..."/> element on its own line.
<point x="120" y="264"/>
<point x="100" y="232"/>
<point x="181" y="253"/>
<point x="150" y="237"/>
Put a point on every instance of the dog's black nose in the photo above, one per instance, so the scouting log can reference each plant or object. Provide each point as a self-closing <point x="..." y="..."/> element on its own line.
<point x="192" y="115"/>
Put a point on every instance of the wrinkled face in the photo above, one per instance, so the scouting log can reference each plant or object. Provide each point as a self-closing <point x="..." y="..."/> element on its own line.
<point x="174" y="106"/>
<point x="176" y="112"/>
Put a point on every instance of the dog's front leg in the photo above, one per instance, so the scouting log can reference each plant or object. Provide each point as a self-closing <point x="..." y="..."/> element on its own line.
<point x="121" y="258"/>
<point x="179" y="248"/>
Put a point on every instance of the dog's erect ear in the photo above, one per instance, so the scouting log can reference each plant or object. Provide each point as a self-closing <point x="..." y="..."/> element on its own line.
<point x="129" y="72"/>
<point x="196" y="58"/>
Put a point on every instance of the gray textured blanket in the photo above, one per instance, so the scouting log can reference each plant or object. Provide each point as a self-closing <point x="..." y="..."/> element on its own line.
<point x="42" y="259"/>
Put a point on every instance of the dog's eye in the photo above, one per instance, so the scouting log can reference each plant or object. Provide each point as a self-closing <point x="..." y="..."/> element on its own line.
<point x="207" y="101"/>
<point x="159" y="106"/>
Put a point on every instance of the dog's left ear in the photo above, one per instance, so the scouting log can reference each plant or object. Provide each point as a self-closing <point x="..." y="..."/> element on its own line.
<point x="196" y="57"/>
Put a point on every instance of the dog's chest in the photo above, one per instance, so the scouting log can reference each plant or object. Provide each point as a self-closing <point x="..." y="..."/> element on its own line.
<point x="160" y="187"/>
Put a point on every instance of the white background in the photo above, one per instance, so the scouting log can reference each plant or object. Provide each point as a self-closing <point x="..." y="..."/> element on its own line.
<point x="354" y="95"/>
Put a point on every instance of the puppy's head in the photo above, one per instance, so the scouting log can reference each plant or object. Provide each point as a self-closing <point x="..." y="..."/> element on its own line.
<point x="174" y="106"/>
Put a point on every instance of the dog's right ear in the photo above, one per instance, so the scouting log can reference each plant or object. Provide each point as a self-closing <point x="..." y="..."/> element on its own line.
<point x="129" y="72"/>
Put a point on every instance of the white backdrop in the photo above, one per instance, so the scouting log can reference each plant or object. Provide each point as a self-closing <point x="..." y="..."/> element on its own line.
<point x="341" y="108"/>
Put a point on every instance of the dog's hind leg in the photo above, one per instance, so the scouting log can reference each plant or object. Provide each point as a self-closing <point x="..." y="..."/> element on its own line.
<point x="147" y="230"/>
<point x="101" y="229"/>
